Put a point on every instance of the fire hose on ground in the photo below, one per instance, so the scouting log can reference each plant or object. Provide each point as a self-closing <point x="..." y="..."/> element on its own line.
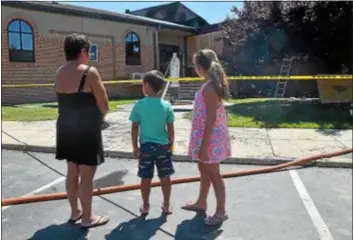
<point x="123" y="188"/>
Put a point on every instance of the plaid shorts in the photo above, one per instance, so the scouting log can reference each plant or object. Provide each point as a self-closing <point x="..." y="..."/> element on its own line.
<point x="152" y="154"/>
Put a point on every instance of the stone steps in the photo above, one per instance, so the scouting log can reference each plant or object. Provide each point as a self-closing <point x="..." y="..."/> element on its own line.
<point x="188" y="89"/>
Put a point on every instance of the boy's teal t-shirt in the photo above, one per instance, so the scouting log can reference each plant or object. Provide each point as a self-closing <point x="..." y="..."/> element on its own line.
<point x="153" y="114"/>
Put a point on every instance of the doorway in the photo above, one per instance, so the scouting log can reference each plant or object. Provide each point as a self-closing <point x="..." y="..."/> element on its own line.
<point x="165" y="54"/>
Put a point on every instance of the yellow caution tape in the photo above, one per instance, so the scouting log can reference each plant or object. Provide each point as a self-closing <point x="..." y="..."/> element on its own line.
<point x="191" y="79"/>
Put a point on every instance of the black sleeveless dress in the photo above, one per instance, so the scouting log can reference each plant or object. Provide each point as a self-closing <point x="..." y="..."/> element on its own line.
<point x="78" y="128"/>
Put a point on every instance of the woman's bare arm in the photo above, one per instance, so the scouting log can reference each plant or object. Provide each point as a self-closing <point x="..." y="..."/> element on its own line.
<point x="99" y="90"/>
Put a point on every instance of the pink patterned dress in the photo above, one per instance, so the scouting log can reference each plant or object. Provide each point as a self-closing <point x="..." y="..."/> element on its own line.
<point x="219" y="148"/>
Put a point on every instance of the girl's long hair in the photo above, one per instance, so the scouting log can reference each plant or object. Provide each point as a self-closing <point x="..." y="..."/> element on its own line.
<point x="207" y="59"/>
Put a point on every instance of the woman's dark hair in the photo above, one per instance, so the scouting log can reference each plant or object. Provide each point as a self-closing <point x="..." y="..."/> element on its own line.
<point x="155" y="79"/>
<point x="74" y="44"/>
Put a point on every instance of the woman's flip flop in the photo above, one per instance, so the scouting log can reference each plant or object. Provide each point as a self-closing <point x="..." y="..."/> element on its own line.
<point x="191" y="207"/>
<point x="72" y="221"/>
<point x="166" y="211"/>
<point x="144" y="211"/>
<point x="215" y="220"/>
<point x="101" y="220"/>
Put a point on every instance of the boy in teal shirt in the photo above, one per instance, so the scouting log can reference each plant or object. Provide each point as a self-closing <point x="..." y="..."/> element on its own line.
<point x="153" y="123"/>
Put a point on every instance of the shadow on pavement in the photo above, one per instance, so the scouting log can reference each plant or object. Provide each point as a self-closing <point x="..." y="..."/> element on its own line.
<point x="65" y="231"/>
<point x="137" y="228"/>
<point x="329" y="132"/>
<point x="194" y="229"/>
<point x="111" y="179"/>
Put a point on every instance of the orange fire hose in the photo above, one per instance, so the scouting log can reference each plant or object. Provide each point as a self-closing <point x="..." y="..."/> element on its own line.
<point x="124" y="188"/>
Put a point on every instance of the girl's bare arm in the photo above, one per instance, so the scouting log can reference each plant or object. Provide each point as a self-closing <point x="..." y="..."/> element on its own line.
<point x="211" y="101"/>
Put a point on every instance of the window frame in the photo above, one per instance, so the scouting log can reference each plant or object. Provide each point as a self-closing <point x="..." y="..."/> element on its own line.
<point x="132" y="60"/>
<point x="11" y="52"/>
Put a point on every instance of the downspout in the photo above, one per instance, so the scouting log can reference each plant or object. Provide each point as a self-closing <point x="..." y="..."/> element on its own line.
<point x="156" y="47"/>
<point x="185" y="55"/>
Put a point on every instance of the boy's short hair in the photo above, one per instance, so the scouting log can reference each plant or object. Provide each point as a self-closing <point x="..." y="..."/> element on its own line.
<point x="155" y="79"/>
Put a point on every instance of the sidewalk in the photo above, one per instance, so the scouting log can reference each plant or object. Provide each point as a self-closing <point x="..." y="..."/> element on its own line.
<point x="249" y="145"/>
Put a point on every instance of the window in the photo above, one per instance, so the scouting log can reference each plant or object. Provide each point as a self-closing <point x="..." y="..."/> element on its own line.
<point x="132" y="49"/>
<point x="20" y="39"/>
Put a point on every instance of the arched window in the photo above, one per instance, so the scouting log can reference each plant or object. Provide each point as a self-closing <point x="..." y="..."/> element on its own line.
<point x="132" y="49"/>
<point x="21" y="41"/>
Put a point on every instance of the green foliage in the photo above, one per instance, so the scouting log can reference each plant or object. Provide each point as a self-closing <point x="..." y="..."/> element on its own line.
<point x="44" y="111"/>
<point x="265" y="31"/>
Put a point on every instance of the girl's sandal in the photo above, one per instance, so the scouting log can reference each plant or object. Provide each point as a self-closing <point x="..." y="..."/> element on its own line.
<point x="166" y="211"/>
<point x="215" y="220"/>
<point x="144" y="211"/>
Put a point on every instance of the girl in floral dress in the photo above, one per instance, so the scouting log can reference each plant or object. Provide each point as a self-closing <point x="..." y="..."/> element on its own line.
<point x="209" y="138"/>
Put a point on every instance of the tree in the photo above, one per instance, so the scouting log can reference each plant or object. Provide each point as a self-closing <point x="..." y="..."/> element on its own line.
<point x="265" y="31"/>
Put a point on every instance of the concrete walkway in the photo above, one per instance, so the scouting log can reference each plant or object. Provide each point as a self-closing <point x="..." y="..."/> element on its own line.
<point x="249" y="145"/>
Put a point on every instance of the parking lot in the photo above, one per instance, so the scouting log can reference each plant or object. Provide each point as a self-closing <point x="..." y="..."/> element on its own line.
<point x="301" y="204"/>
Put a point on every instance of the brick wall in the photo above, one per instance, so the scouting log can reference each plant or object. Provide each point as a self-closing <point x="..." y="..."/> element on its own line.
<point x="49" y="56"/>
<point x="191" y="48"/>
<point x="208" y="40"/>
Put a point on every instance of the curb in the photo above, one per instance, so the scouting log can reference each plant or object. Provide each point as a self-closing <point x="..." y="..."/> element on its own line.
<point x="329" y="163"/>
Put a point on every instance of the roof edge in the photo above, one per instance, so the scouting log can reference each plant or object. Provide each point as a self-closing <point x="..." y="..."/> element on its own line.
<point x="194" y="12"/>
<point x="157" y="6"/>
<point x="133" y="19"/>
<point x="135" y="12"/>
<point x="210" y="28"/>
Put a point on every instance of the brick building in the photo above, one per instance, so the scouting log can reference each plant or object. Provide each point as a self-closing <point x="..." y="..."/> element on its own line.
<point x="33" y="34"/>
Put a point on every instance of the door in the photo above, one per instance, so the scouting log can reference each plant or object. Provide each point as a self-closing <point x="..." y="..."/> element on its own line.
<point x="165" y="55"/>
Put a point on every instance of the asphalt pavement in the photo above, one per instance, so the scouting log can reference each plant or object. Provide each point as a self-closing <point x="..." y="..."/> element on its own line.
<point x="300" y="204"/>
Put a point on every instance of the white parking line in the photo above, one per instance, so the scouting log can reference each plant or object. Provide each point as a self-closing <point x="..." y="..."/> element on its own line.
<point x="38" y="190"/>
<point x="314" y="213"/>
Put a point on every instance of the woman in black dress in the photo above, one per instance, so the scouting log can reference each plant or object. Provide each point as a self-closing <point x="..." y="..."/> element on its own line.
<point x="83" y="103"/>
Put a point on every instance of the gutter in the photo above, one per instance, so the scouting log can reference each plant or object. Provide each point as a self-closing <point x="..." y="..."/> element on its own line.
<point x="59" y="9"/>
<point x="155" y="42"/>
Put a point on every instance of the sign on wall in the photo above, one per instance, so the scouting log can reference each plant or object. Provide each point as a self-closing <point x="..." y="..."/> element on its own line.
<point x="93" y="53"/>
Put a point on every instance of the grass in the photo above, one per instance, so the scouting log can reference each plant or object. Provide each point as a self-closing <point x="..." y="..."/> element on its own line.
<point x="283" y="113"/>
<point x="43" y="111"/>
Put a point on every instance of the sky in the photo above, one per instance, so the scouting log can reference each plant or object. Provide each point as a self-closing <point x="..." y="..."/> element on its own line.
<point x="207" y="10"/>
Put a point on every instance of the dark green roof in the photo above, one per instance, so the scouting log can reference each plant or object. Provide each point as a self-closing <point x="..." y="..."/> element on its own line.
<point x="169" y="13"/>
